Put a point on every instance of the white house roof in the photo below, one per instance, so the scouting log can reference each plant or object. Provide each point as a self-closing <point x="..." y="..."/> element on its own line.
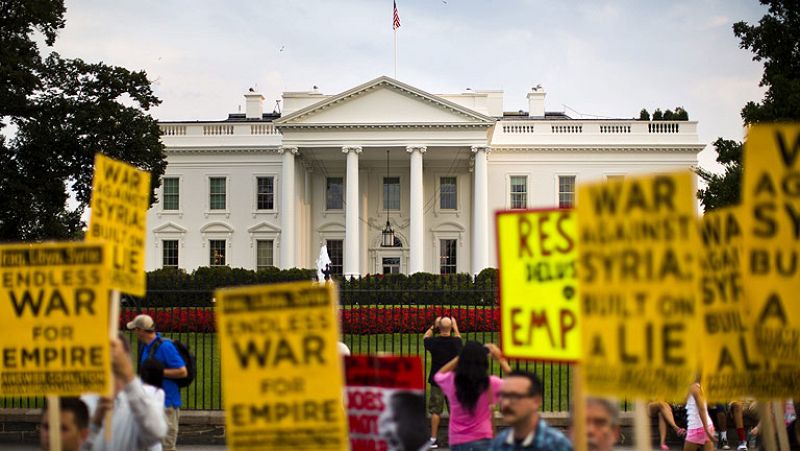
<point x="383" y="102"/>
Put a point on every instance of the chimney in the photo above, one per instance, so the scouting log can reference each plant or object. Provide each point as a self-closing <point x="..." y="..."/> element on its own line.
<point x="536" y="101"/>
<point x="255" y="105"/>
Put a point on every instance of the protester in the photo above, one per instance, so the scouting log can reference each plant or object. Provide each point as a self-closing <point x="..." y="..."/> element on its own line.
<point x="156" y="347"/>
<point x="471" y="392"/>
<point x="699" y="428"/>
<point x="138" y="419"/>
<point x="665" y="418"/>
<point x="74" y="417"/>
<point x="520" y="398"/>
<point x="152" y="373"/>
<point x="719" y="416"/>
<point x="602" y="424"/>
<point x="740" y="409"/>
<point x="443" y="347"/>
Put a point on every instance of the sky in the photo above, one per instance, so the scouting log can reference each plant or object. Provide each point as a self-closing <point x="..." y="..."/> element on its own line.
<point x="593" y="58"/>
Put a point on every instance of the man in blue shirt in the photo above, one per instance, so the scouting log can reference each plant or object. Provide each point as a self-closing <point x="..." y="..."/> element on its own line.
<point x="174" y="368"/>
<point x="520" y="398"/>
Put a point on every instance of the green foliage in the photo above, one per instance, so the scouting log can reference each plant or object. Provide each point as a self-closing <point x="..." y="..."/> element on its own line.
<point x="644" y="115"/>
<point x="658" y="115"/>
<point x="669" y="115"/>
<point x="776" y="42"/>
<point x="723" y="189"/>
<point x="64" y="111"/>
<point x="681" y="114"/>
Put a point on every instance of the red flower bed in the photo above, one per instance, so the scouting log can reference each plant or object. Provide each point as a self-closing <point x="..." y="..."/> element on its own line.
<point x="357" y="320"/>
<point x="377" y="320"/>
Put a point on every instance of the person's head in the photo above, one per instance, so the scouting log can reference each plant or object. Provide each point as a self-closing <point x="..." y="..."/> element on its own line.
<point x="472" y="374"/>
<point x="144" y="327"/>
<point x="445" y="325"/>
<point x="402" y="423"/>
<point x="520" y="398"/>
<point x="602" y="424"/>
<point x="152" y="372"/>
<point x="74" y="425"/>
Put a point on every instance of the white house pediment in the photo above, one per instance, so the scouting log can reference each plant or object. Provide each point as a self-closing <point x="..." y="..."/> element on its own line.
<point x="330" y="227"/>
<point x="170" y="227"/>
<point x="384" y="101"/>
<point x="448" y="227"/>
<point x="216" y="227"/>
<point x="263" y="227"/>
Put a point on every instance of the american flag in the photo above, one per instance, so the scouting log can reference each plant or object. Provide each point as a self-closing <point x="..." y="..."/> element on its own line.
<point x="396" y="21"/>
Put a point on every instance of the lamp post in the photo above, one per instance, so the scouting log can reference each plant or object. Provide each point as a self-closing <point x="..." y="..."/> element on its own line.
<point x="387" y="236"/>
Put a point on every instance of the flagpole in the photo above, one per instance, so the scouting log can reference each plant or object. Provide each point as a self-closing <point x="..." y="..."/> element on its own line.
<point x="395" y="53"/>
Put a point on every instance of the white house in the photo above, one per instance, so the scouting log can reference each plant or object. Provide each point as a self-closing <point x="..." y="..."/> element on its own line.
<point x="263" y="189"/>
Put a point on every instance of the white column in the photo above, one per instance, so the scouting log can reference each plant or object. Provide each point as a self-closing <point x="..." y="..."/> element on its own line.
<point x="351" y="226"/>
<point x="416" y="212"/>
<point x="480" y="210"/>
<point x="287" y="242"/>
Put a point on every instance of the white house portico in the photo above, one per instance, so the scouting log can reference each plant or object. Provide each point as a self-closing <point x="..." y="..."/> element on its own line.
<point x="260" y="190"/>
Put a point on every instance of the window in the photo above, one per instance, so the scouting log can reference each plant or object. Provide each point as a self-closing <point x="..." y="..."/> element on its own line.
<point x="447" y="193"/>
<point x="169" y="253"/>
<point x="264" y="254"/>
<point x="391" y="193"/>
<point x="336" y="254"/>
<point x="334" y="193"/>
<point x="170" y="193"/>
<point x="265" y="193"/>
<point x="391" y="265"/>
<point x="216" y="189"/>
<point x="216" y="252"/>
<point x="566" y="191"/>
<point x="447" y="256"/>
<point x="519" y="191"/>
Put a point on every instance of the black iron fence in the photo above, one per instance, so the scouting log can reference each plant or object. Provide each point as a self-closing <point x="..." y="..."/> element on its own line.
<point x="378" y="315"/>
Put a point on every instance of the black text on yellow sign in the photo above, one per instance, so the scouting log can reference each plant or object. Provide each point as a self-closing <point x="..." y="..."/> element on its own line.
<point x="281" y="372"/>
<point x="120" y="199"/>
<point x="637" y="241"/>
<point x="771" y="198"/>
<point x="54" y="305"/>
<point x="538" y="285"/>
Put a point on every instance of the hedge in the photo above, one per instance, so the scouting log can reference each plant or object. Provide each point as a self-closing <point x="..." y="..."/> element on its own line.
<point x="172" y="287"/>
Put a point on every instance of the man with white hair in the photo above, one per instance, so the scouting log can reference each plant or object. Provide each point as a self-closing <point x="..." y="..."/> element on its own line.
<point x="443" y="347"/>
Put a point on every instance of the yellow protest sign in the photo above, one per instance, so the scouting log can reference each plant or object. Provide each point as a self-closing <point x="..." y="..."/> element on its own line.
<point x="771" y="197"/>
<point x="120" y="199"/>
<point x="538" y="286"/>
<point x="54" y="305"/>
<point x="732" y="365"/>
<point x="637" y="242"/>
<point x="282" y="376"/>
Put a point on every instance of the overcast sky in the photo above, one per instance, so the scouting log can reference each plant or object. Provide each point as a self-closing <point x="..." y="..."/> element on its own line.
<point x="599" y="58"/>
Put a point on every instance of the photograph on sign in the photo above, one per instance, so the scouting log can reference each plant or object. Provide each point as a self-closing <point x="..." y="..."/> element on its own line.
<point x="54" y="305"/>
<point x="771" y="223"/>
<point x="119" y="204"/>
<point x="538" y="285"/>
<point x="386" y="403"/>
<point x="638" y="269"/>
<point x="282" y="376"/>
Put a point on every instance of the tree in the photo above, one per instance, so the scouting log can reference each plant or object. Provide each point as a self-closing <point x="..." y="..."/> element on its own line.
<point x="669" y="115"/>
<point x="658" y="115"/>
<point x="776" y="42"/>
<point x="64" y="111"/>
<point x="644" y="115"/>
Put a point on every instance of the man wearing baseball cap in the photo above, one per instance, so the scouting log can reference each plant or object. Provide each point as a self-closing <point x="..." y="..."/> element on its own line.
<point x="158" y="348"/>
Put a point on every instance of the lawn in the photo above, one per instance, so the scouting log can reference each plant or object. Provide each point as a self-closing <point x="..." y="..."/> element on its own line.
<point x="205" y="392"/>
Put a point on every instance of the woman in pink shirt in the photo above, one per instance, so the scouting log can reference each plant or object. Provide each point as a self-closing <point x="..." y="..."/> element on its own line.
<point x="471" y="392"/>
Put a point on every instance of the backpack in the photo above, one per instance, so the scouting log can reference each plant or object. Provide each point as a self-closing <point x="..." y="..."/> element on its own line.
<point x="187" y="356"/>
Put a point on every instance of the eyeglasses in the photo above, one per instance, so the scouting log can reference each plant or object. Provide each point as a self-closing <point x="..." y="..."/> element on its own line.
<point x="512" y="397"/>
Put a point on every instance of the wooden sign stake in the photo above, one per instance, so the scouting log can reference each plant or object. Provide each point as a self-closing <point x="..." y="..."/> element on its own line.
<point x="578" y="409"/>
<point x="54" y="421"/>
<point x="641" y="425"/>
<point x="113" y="331"/>
<point x="767" y="426"/>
